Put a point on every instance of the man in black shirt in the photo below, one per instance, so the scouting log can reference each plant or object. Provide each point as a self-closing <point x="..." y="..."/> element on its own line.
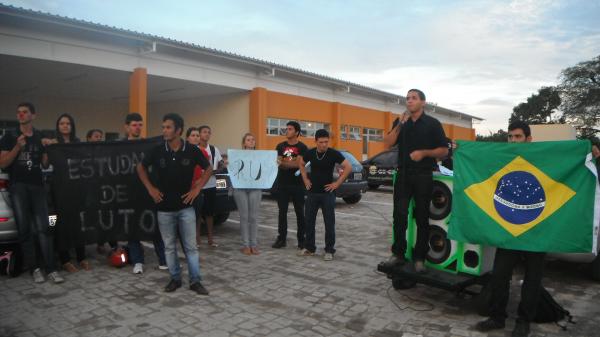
<point x="321" y="191"/>
<point x="421" y="140"/>
<point x="289" y="185"/>
<point x="175" y="161"/>
<point x="23" y="154"/>
<point x="505" y="261"/>
<point x="133" y="131"/>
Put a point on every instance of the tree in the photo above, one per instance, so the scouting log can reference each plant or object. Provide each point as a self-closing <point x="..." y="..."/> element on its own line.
<point x="580" y="92"/>
<point x="499" y="136"/>
<point x="539" y="107"/>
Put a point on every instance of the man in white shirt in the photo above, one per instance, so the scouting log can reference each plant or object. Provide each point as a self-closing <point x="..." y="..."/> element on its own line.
<point x="210" y="189"/>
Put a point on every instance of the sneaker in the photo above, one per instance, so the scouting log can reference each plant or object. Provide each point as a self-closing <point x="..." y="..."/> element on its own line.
<point x="305" y="252"/>
<point x="172" y="286"/>
<point x="521" y="329"/>
<point x="38" y="277"/>
<point x="138" y="268"/>
<point x="163" y="267"/>
<point x="328" y="257"/>
<point x="55" y="277"/>
<point x="489" y="325"/>
<point x="198" y="288"/>
<point x="70" y="268"/>
<point x="254" y="250"/>
<point x="420" y="267"/>
<point x="279" y="244"/>
<point x="246" y="251"/>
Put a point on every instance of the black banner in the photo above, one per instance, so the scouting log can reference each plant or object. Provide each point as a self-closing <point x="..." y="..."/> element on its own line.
<point x="97" y="194"/>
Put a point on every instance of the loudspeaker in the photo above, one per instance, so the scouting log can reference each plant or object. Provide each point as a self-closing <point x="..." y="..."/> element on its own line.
<point x="445" y="254"/>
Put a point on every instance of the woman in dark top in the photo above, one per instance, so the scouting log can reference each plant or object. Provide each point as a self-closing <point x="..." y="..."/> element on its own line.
<point x="65" y="133"/>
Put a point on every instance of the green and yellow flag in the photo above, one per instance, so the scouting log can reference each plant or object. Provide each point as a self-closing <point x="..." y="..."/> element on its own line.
<point x="528" y="196"/>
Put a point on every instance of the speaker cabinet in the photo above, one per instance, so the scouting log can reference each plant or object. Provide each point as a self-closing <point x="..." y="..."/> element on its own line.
<point x="445" y="254"/>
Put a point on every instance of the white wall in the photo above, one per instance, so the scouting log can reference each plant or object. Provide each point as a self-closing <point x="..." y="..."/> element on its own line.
<point x="227" y="115"/>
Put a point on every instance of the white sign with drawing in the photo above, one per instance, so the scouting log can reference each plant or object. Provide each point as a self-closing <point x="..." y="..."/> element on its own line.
<point x="252" y="168"/>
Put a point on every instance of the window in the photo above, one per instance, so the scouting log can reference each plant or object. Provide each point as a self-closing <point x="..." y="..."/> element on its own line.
<point x="277" y="127"/>
<point x="343" y="133"/>
<point x="354" y="133"/>
<point x="373" y="135"/>
<point x="309" y="128"/>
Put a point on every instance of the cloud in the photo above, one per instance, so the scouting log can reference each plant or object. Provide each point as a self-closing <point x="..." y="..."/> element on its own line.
<point x="494" y="101"/>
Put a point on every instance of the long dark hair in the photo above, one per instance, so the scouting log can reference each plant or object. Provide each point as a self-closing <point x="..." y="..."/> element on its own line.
<point x="59" y="136"/>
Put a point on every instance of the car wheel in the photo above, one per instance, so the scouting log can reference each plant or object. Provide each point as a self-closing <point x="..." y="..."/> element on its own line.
<point x="374" y="186"/>
<point x="596" y="269"/>
<point x="353" y="199"/>
<point x="220" y="218"/>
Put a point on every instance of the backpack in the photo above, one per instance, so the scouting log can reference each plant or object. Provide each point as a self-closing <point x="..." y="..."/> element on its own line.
<point x="548" y="310"/>
<point x="212" y="154"/>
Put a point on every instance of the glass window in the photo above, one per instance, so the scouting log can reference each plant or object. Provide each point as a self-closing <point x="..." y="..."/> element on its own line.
<point x="343" y="133"/>
<point x="388" y="158"/>
<point x="354" y="133"/>
<point x="374" y="135"/>
<point x="276" y="126"/>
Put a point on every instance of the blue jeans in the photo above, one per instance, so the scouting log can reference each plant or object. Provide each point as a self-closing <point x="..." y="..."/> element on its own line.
<point x="183" y="221"/>
<point x="136" y="251"/>
<point x="327" y="203"/>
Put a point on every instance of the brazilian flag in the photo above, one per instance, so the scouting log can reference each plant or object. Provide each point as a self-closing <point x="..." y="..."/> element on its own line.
<point x="540" y="197"/>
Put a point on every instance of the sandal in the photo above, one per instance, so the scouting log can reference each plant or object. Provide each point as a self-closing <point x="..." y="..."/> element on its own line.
<point x="85" y="265"/>
<point x="69" y="267"/>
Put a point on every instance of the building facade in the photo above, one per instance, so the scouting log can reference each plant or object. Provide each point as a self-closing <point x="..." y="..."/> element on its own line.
<point x="99" y="73"/>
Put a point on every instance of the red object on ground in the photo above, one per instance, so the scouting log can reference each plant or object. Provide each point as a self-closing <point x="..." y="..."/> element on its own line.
<point x="118" y="258"/>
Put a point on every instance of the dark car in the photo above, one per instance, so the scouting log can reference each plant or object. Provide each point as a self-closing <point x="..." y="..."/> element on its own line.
<point x="352" y="188"/>
<point x="380" y="168"/>
<point x="355" y="185"/>
<point x="224" y="203"/>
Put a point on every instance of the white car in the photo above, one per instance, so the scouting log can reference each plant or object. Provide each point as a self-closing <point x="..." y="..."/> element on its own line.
<point x="8" y="226"/>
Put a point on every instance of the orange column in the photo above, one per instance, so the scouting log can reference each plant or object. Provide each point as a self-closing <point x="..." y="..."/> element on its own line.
<point x="336" y="113"/>
<point x="138" y="95"/>
<point x="258" y="116"/>
<point x="387" y="123"/>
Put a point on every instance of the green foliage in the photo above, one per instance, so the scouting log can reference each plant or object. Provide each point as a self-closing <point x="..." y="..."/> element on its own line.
<point x="580" y="91"/>
<point x="500" y="136"/>
<point x="539" y="107"/>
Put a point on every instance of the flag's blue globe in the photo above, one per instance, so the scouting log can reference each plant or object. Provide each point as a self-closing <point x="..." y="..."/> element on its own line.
<point x="519" y="197"/>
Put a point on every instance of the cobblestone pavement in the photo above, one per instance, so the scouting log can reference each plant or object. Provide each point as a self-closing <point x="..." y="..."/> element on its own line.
<point x="274" y="294"/>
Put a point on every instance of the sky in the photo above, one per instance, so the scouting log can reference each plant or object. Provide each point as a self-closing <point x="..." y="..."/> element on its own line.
<point x="477" y="57"/>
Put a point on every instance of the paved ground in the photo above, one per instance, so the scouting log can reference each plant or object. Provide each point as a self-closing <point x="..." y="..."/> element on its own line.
<point x="274" y="294"/>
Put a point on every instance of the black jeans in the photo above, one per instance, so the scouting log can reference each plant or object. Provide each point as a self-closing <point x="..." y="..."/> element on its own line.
<point x="504" y="263"/>
<point x="327" y="203"/>
<point x="296" y="193"/>
<point x="30" y="208"/>
<point x="420" y="186"/>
